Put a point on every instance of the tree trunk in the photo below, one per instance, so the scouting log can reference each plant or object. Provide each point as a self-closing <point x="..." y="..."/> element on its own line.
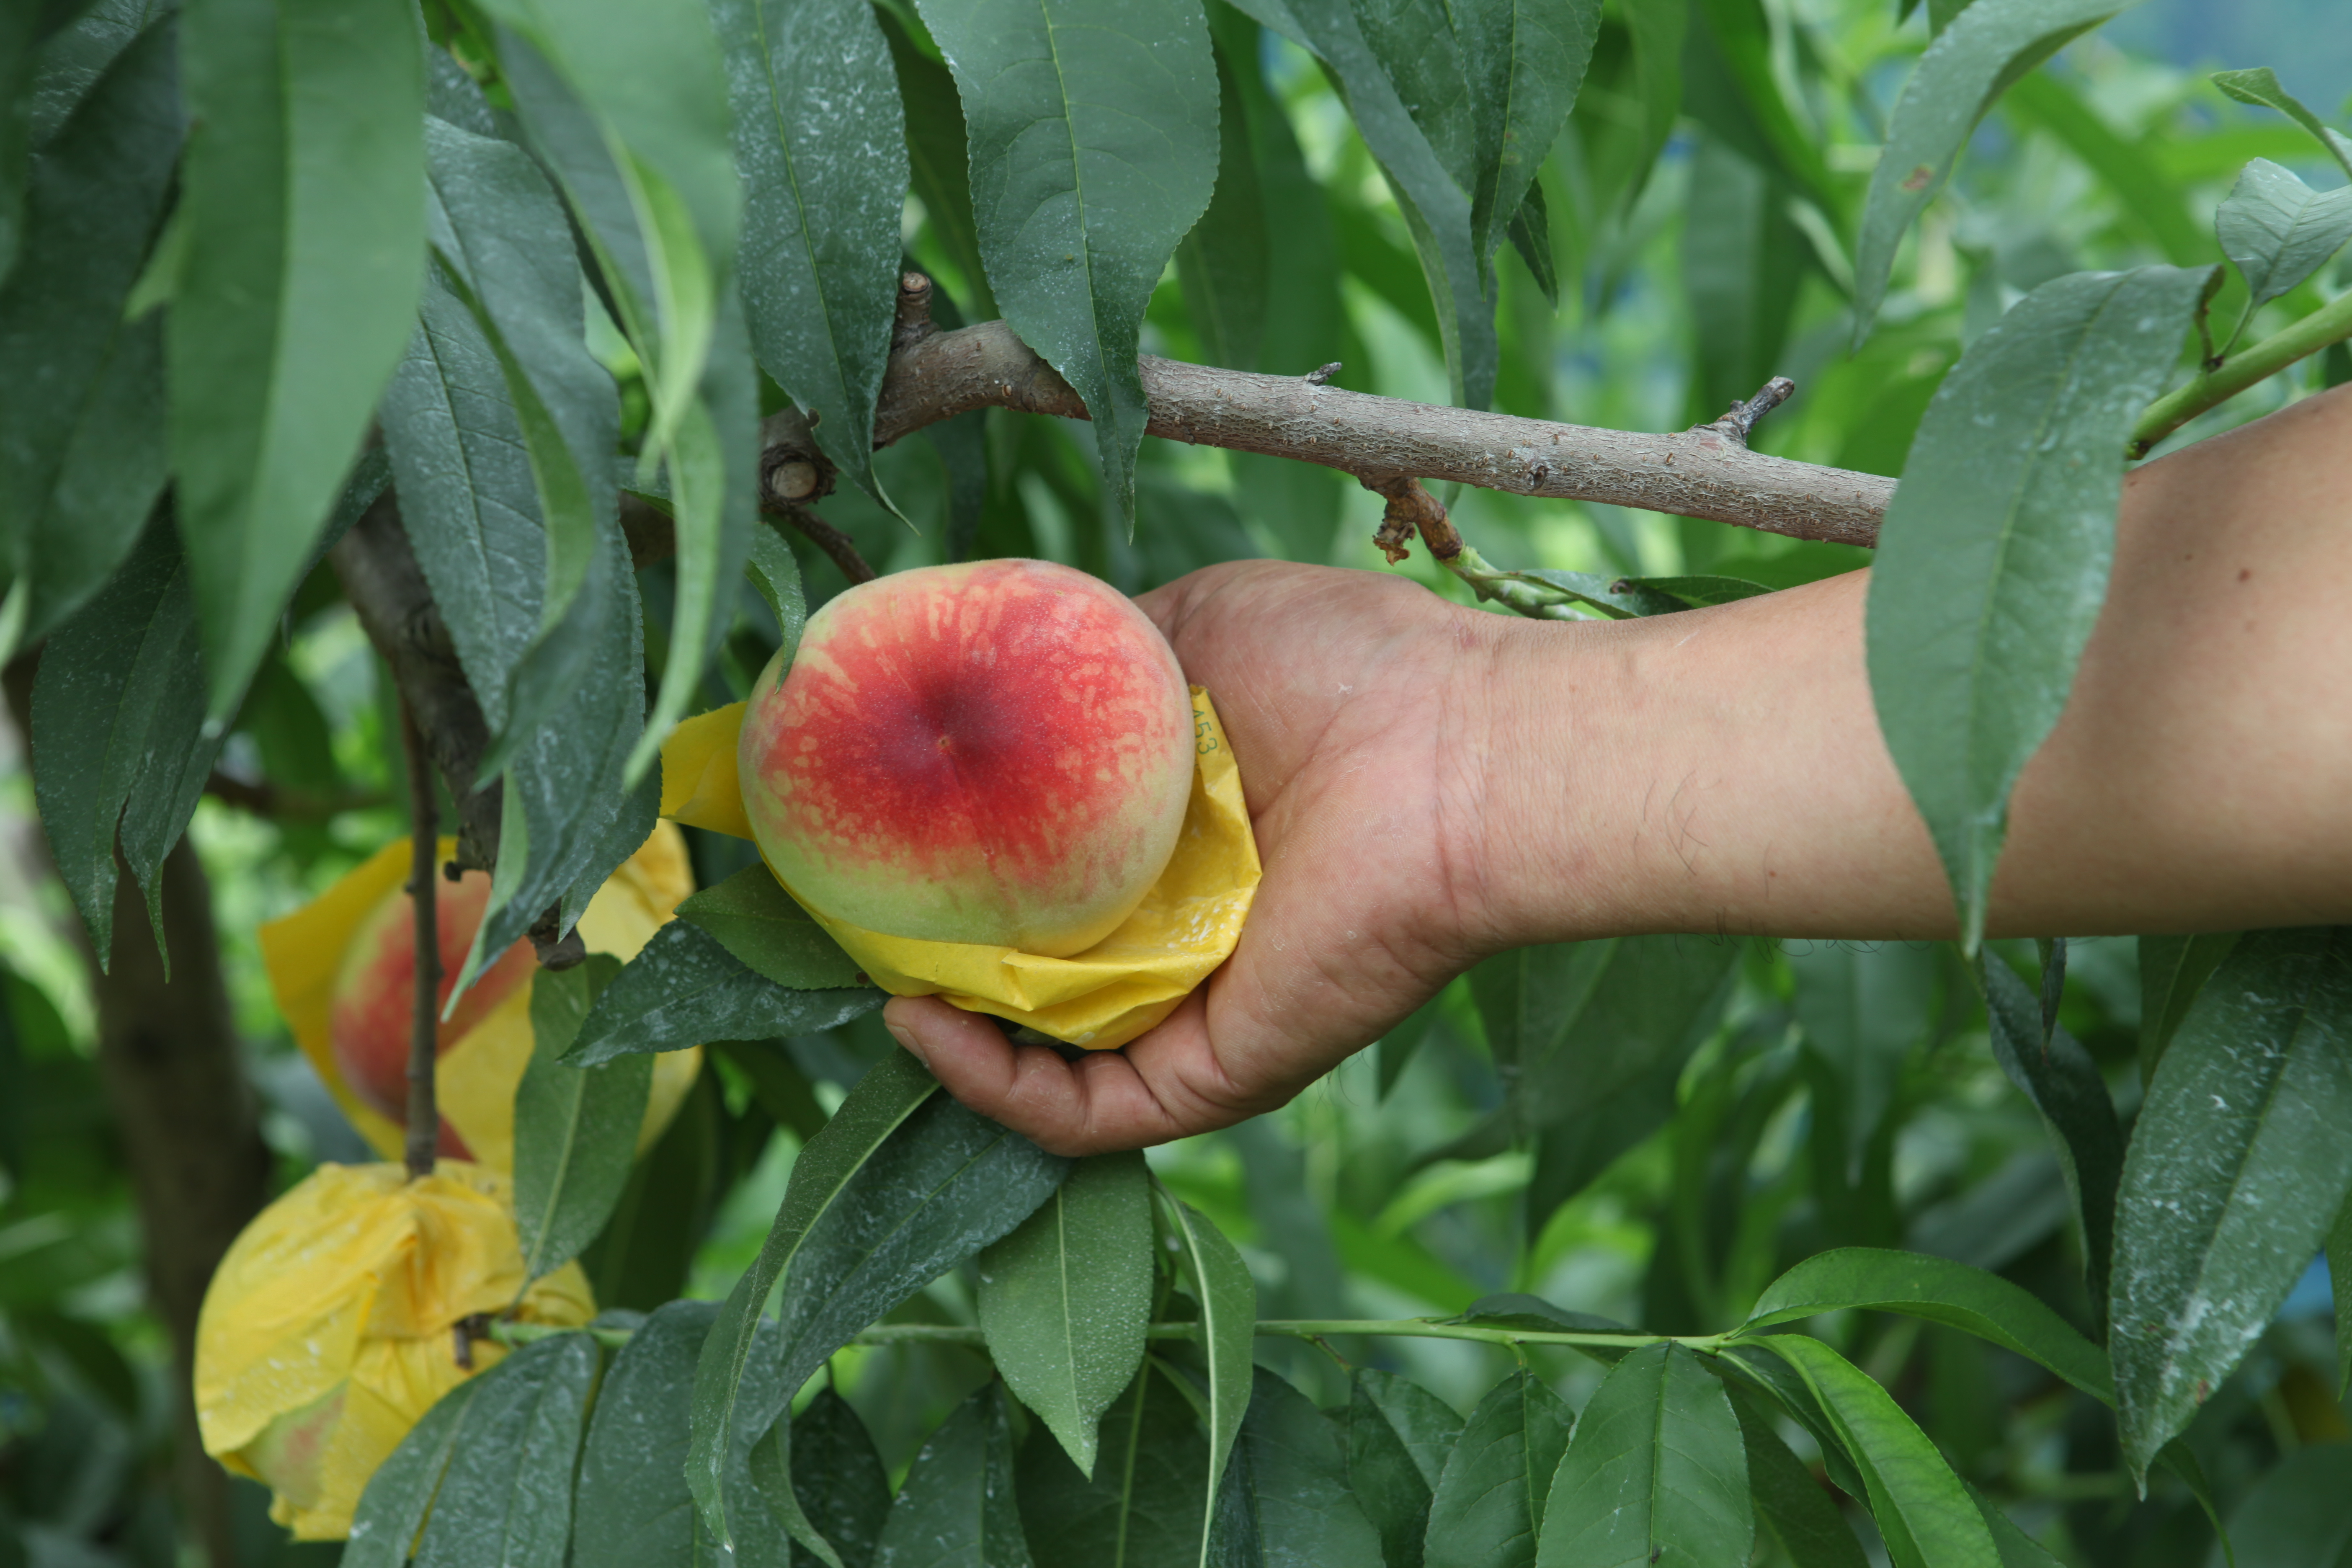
<point x="191" y="1134"/>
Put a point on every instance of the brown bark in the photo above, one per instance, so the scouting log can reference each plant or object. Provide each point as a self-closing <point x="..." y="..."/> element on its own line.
<point x="190" y="1135"/>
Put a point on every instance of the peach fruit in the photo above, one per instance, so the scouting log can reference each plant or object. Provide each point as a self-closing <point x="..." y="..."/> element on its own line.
<point x="996" y="753"/>
<point x="375" y="994"/>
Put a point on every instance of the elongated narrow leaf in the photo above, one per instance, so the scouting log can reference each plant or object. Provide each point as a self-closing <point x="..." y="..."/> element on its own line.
<point x="938" y="163"/>
<point x="1213" y="1273"/>
<point x="2173" y="970"/>
<point x="303" y="204"/>
<point x="1397" y="1436"/>
<point x="633" y="1509"/>
<point x="400" y="1494"/>
<point x="1488" y="1509"/>
<point x="1429" y="182"/>
<point x="81" y="412"/>
<point x="1749" y="1365"/>
<point x="1141" y="1508"/>
<point x="1990" y="45"/>
<point x="752" y="916"/>
<point x="497" y="227"/>
<point x="837" y="1477"/>
<point x="950" y="1182"/>
<point x="2279" y="230"/>
<point x="1864" y="1009"/>
<point x="1743" y="259"/>
<point x="958" y="1508"/>
<point x="1941" y="1291"/>
<point x="467" y="501"/>
<point x="2237" y="1167"/>
<point x="2260" y="87"/>
<point x="505" y="1501"/>
<point x="820" y="145"/>
<point x="118" y="706"/>
<point x="1656" y="1471"/>
<point x="1284" y="1501"/>
<point x="1224" y="263"/>
<point x="1524" y="61"/>
<point x="1093" y="138"/>
<point x="1993" y="559"/>
<point x="685" y="988"/>
<point x="575" y="1130"/>
<point x="2339" y="1278"/>
<point x="2294" y="1516"/>
<point x="2063" y="1083"/>
<point x="1924" y="1512"/>
<point x="777" y="577"/>
<point x="1065" y="1299"/>
<point x="1574" y="1023"/>
<point x="1792" y="1509"/>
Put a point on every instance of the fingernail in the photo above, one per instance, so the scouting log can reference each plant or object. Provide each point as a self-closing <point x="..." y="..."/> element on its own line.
<point x="906" y="1039"/>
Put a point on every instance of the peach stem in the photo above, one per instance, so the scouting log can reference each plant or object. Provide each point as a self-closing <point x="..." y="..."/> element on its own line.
<point x="424" y="844"/>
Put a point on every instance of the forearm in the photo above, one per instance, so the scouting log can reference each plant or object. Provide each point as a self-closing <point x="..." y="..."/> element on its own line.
<point x="1722" y="769"/>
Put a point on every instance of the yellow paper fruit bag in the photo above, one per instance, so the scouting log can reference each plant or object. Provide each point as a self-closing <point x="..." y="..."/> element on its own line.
<point x="1101" y="998"/>
<point x="330" y="1326"/>
<point x="305" y="955"/>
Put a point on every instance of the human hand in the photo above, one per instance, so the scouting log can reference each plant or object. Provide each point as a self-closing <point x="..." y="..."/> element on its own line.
<point x="1359" y="709"/>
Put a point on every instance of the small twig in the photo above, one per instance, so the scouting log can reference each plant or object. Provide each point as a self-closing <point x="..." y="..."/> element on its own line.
<point x="913" y="322"/>
<point x="1739" y="421"/>
<point x="2331" y="323"/>
<point x="556" y="951"/>
<point x="424" y="1032"/>
<point x="830" y="540"/>
<point x="467" y="1329"/>
<point x="280" y="803"/>
<point x="1322" y="374"/>
<point x="1412" y="510"/>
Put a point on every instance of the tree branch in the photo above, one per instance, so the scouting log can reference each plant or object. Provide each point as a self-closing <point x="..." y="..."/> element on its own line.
<point x="424" y="1023"/>
<point x="1705" y="472"/>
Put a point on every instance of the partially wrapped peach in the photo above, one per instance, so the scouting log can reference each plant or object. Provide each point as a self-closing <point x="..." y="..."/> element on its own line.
<point x="333" y="1324"/>
<point x="343" y="968"/>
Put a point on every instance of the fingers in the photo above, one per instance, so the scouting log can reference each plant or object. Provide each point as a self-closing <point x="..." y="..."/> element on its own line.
<point x="1150" y="1093"/>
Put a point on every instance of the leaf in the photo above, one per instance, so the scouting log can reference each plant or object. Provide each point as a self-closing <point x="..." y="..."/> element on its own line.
<point x="685" y="989"/>
<point x="776" y="575"/>
<point x="303" y="196"/>
<point x="1658" y="31"/>
<point x="880" y="1204"/>
<point x="1142" y="1507"/>
<point x="958" y="1508"/>
<point x="1743" y="262"/>
<point x="1213" y="1273"/>
<point x="2279" y="230"/>
<point x="392" y="1509"/>
<point x="81" y="419"/>
<point x="1093" y="138"/>
<point x="505" y="1501"/>
<point x="1530" y="234"/>
<point x="1522" y="61"/>
<point x="1790" y="1506"/>
<point x="642" y="1259"/>
<point x="1065" y="1296"/>
<point x="1435" y="202"/>
<point x="1574" y="1023"/>
<point x="1750" y="1365"/>
<point x="1993" y="559"/>
<point x="821" y="148"/>
<point x="1925" y="1514"/>
<point x="633" y="1508"/>
<point x="467" y="501"/>
<point x="2173" y="970"/>
<point x="1986" y="50"/>
<point x="1656" y="1471"/>
<point x="499" y="230"/>
<point x="2295" y="1517"/>
<point x="752" y="916"/>
<point x="2063" y="1083"/>
<point x="1285" y="1500"/>
<point x="1941" y="1291"/>
<point x="575" y="1130"/>
<point x="938" y="162"/>
<point x="1224" y="264"/>
<point x="2237" y="1167"/>
<point x="1571" y="1154"/>
<point x="2260" y="87"/>
<point x="838" y="1477"/>
<point x="1396" y="1435"/>
<point x="2148" y="196"/>
<point x="1864" y="1009"/>
<point x="117" y="714"/>
<point x="1488" y="1507"/>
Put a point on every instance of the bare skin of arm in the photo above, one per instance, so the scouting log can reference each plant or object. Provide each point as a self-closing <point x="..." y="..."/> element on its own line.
<point x="1431" y="784"/>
